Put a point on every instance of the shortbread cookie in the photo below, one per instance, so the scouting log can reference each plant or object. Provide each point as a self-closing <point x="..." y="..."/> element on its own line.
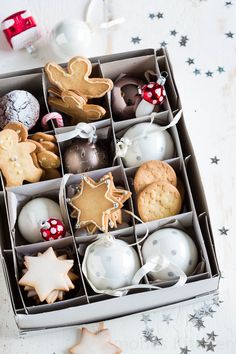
<point x="77" y="78"/>
<point x="55" y="294"/>
<point x="157" y="201"/>
<point x="74" y="106"/>
<point x="20" y="129"/>
<point x="153" y="171"/>
<point x="50" y="146"/>
<point x="40" y="137"/>
<point x="16" y="162"/>
<point x="46" y="273"/>
<point x="100" y="341"/>
<point x="48" y="159"/>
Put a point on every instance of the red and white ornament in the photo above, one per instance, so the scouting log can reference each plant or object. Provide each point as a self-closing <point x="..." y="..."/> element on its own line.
<point x="21" y="30"/>
<point x="152" y="94"/>
<point x="52" y="229"/>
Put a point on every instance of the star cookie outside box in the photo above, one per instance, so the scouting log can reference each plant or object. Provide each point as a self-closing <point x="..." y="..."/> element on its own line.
<point x="98" y="342"/>
<point x="98" y="203"/>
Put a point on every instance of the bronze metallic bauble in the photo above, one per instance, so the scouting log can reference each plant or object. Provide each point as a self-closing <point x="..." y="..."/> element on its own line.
<point x="82" y="156"/>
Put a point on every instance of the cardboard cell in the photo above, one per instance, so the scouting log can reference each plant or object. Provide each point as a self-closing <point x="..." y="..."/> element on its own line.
<point x="162" y="119"/>
<point x="19" y="196"/>
<point x="177" y="164"/>
<point x="63" y="246"/>
<point x="103" y="101"/>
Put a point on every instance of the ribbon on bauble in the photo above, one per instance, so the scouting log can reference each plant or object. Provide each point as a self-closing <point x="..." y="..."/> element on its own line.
<point x="81" y="130"/>
<point x="123" y="144"/>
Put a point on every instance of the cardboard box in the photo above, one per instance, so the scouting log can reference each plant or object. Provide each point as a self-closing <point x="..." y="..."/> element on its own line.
<point x="84" y="306"/>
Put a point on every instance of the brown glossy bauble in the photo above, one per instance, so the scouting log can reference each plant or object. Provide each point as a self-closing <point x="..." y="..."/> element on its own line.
<point x="82" y="156"/>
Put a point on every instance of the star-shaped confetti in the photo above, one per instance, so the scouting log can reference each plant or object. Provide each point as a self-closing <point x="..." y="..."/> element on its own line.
<point x="167" y="319"/>
<point x="193" y="317"/>
<point x="229" y="34"/>
<point x="183" y="41"/>
<point x="160" y="15"/>
<point x="190" y="61"/>
<point x="212" y="336"/>
<point x="215" y="160"/>
<point x="220" y="69"/>
<point x="224" y="231"/>
<point x="163" y="44"/>
<point x="100" y="342"/>
<point x="184" y="350"/>
<point x="199" y="324"/>
<point x="46" y="273"/>
<point x="136" y="40"/>
<point x="146" y="318"/>
<point x="152" y="16"/>
<point x="150" y="337"/>
<point x="197" y="72"/>
<point x="202" y="343"/>
<point x="228" y="3"/>
<point x="209" y="73"/>
<point x="210" y="347"/>
<point x="216" y="301"/>
<point x="173" y="32"/>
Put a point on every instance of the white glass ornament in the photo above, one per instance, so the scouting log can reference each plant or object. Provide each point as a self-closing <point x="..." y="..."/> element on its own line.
<point x="178" y="248"/>
<point x="110" y="264"/>
<point x="33" y="214"/>
<point x="70" y="38"/>
<point x="147" y="143"/>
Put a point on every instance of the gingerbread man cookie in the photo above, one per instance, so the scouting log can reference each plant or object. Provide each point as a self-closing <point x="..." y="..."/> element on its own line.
<point x="76" y="78"/>
<point x="16" y="162"/>
<point x="75" y="106"/>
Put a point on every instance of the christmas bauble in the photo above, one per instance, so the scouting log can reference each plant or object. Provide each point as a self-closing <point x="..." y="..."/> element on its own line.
<point x="70" y="38"/>
<point x="52" y="229"/>
<point x="19" y="106"/>
<point x="33" y="214"/>
<point x="110" y="264"/>
<point x="147" y="143"/>
<point x="176" y="246"/>
<point x="82" y="156"/>
<point x="125" y="97"/>
<point x="21" y="30"/>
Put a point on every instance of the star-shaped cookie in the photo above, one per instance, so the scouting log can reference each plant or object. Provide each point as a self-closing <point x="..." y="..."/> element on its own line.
<point x="94" y="202"/>
<point x="46" y="273"/>
<point x="55" y="294"/>
<point x="95" y="343"/>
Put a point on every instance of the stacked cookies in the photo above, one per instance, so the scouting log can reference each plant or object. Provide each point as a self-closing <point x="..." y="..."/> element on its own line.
<point x="157" y="195"/>
<point x="73" y="88"/>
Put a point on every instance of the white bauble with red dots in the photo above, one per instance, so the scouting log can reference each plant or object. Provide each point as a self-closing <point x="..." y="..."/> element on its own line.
<point x="153" y="94"/>
<point x="147" y="142"/>
<point x="52" y="229"/>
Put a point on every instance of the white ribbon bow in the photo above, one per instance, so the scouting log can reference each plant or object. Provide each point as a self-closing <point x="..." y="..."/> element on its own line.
<point x="81" y="130"/>
<point x="123" y="144"/>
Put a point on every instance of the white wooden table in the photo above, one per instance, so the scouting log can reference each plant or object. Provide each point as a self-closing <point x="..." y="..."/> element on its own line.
<point x="208" y="91"/>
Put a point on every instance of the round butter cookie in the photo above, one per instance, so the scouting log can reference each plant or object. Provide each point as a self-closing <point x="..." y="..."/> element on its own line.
<point x="154" y="171"/>
<point x="158" y="200"/>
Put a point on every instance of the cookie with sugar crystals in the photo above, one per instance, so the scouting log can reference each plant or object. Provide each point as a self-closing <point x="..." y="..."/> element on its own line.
<point x="153" y="171"/>
<point x="158" y="200"/>
<point x="46" y="273"/>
